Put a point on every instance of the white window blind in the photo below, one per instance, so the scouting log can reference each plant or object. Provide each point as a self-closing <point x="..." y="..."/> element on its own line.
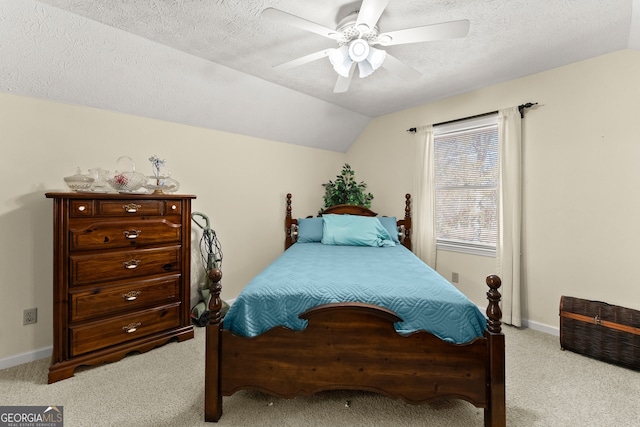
<point x="466" y="181"/>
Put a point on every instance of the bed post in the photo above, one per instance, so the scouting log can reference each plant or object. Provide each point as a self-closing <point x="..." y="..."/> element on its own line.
<point x="212" y="384"/>
<point x="407" y="222"/>
<point x="495" y="414"/>
<point x="288" y="223"/>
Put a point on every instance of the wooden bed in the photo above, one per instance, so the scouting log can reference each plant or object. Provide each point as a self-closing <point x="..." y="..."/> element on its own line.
<point x="355" y="346"/>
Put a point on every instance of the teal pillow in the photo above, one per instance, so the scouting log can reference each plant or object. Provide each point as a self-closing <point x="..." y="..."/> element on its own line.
<point x="391" y="224"/>
<point x="310" y="230"/>
<point x="354" y="230"/>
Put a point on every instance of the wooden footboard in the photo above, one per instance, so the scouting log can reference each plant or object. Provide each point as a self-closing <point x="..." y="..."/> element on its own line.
<point x="355" y="346"/>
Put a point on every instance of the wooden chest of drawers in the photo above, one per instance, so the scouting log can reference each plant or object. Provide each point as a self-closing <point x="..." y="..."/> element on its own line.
<point x="120" y="276"/>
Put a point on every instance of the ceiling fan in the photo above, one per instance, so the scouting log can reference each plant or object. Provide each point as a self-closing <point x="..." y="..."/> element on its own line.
<point x="357" y="34"/>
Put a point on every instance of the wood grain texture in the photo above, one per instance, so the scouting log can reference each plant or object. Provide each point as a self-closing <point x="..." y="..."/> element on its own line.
<point x="121" y="279"/>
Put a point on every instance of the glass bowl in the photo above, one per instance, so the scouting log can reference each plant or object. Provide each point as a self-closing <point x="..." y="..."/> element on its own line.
<point x="78" y="182"/>
<point x="127" y="182"/>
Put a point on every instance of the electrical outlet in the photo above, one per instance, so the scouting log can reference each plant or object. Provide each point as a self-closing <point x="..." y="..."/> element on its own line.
<point x="454" y="277"/>
<point x="29" y="316"/>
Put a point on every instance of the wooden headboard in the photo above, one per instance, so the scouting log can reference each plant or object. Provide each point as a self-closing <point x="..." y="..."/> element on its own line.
<point x="404" y="225"/>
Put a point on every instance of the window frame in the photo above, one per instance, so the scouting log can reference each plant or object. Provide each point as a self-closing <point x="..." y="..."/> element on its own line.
<point x="444" y="129"/>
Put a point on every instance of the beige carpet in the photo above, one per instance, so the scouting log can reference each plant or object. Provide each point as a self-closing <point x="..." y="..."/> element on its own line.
<point x="164" y="387"/>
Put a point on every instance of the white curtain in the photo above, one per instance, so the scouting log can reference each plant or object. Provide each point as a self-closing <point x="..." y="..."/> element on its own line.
<point x="510" y="213"/>
<point x="424" y="198"/>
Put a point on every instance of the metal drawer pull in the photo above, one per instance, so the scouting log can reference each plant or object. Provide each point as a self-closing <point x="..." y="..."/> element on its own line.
<point x="131" y="327"/>
<point x="131" y="234"/>
<point x="131" y="295"/>
<point x="131" y="264"/>
<point x="82" y="208"/>
<point x="131" y="208"/>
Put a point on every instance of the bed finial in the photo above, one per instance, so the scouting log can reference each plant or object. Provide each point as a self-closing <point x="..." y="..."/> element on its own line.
<point x="494" y="313"/>
<point x="407" y="205"/>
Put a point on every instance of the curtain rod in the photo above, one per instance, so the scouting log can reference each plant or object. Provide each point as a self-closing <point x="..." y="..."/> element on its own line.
<point x="521" y="108"/>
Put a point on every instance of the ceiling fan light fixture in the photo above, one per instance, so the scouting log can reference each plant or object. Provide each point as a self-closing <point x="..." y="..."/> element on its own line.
<point x="371" y="63"/>
<point x="376" y="57"/>
<point x="357" y="33"/>
<point x="341" y="60"/>
<point x="359" y="50"/>
<point x="365" y="69"/>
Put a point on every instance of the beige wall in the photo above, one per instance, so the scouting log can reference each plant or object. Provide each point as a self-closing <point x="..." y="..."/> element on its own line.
<point x="581" y="180"/>
<point x="581" y="187"/>
<point x="240" y="183"/>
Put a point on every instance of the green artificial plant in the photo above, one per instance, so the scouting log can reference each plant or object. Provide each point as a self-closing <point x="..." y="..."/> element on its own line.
<point x="346" y="190"/>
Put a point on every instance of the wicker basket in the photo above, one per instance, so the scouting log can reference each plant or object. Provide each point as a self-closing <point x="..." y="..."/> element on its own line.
<point x="602" y="331"/>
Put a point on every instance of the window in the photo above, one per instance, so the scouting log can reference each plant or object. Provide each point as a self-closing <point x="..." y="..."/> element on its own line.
<point x="466" y="182"/>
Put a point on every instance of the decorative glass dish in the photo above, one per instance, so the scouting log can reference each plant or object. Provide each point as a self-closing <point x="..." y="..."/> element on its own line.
<point x="128" y="182"/>
<point x="79" y="182"/>
<point x="161" y="184"/>
<point x="126" y="179"/>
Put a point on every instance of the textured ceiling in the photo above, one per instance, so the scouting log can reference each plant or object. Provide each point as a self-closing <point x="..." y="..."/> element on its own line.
<point x="209" y="63"/>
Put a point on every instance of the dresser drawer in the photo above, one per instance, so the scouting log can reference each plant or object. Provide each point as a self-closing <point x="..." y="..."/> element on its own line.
<point x="95" y="234"/>
<point x="118" y="265"/>
<point x="117" y="330"/>
<point x="137" y="207"/>
<point x="107" y="300"/>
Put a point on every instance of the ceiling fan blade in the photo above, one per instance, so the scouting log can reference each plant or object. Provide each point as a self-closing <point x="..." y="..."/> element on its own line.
<point x="342" y="84"/>
<point x="444" y="30"/>
<point x="399" y="68"/>
<point x="296" y="21"/>
<point x="370" y="12"/>
<point x="302" y="60"/>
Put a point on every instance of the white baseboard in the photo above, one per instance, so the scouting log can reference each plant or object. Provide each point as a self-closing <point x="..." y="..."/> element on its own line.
<point x="551" y="330"/>
<point x="31" y="356"/>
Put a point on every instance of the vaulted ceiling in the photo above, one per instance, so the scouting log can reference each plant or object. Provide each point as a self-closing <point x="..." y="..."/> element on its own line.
<point x="210" y="63"/>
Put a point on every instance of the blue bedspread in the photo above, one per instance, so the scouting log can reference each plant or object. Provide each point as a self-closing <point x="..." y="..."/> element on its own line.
<point x="310" y="274"/>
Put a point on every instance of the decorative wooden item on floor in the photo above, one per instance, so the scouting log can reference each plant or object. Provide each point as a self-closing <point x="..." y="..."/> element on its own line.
<point x="121" y="276"/>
